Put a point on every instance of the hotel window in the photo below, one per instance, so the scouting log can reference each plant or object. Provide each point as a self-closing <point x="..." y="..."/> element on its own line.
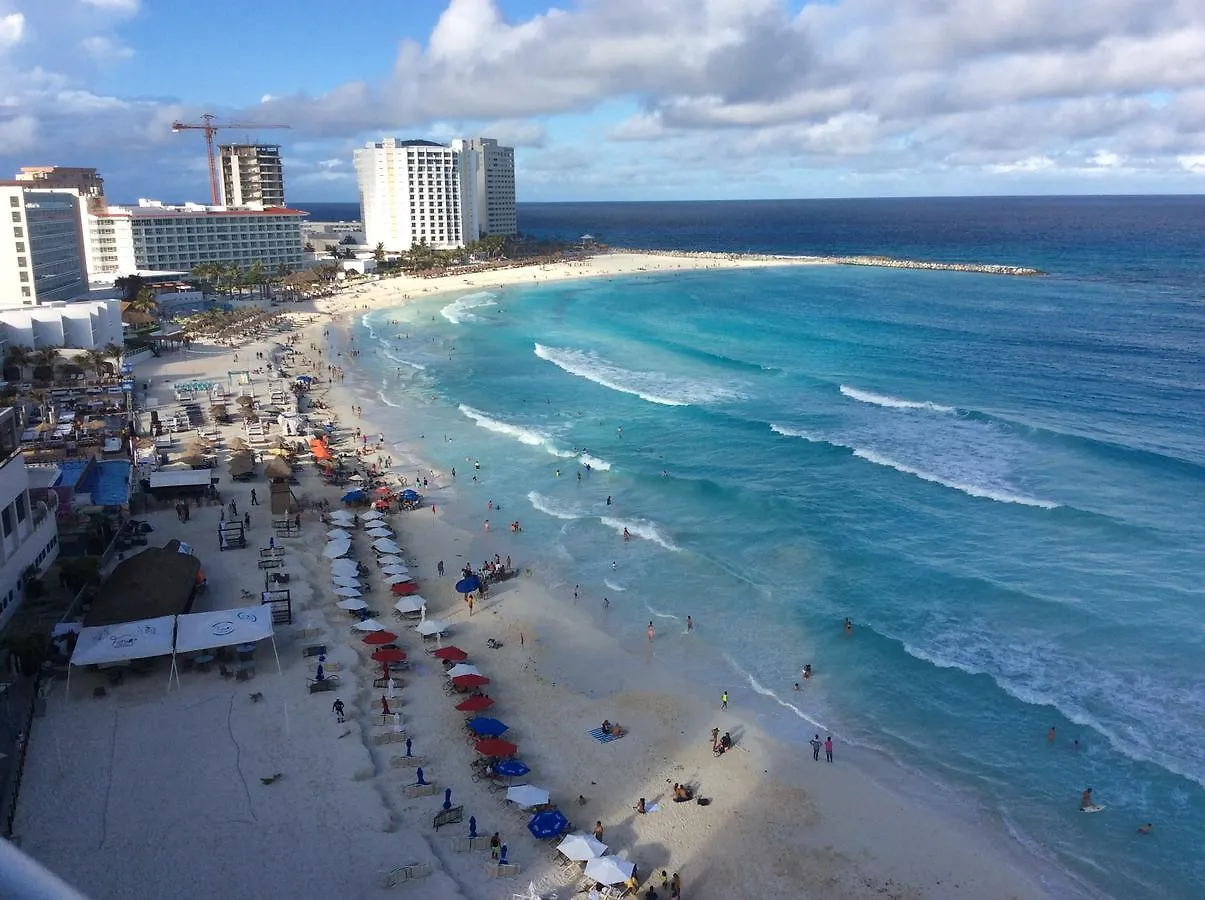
<point x="7" y="518"/>
<point x="16" y="216"/>
<point x="22" y="509"/>
<point x="14" y="202"/>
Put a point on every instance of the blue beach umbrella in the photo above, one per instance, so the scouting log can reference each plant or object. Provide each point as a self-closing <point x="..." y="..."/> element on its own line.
<point x="548" y="824"/>
<point x="487" y="727"/>
<point x="511" y="768"/>
<point x="353" y="496"/>
<point x="468" y="584"/>
<point x="304" y="379"/>
<point x="409" y="495"/>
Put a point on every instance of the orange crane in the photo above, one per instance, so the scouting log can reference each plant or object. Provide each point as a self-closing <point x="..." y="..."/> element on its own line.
<point x="206" y="125"/>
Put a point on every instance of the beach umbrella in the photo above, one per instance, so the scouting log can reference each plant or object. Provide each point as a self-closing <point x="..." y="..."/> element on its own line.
<point x="277" y="468"/>
<point x="468" y="584"/>
<point x="403" y="588"/>
<point x="339" y="533"/>
<point x="453" y="653"/>
<point x="410" y="495"/>
<point x="475" y="704"/>
<point x="508" y="768"/>
<point x="238" y="443"/>
<point x="352" y="605"/>
<point x="581" y="847"/>
<point x="344" y="581"/>
<point x="526" y="795"/>
<point x="411" y="604"/>
<point x="389" y="656"/>
<point x="495" y="747"/>
<point x="549" y="824"/>
<point x="345" y="567"/>
<point x="335" y="549"/>
<point x="463" y="669"/>
<point x="383" y="490"/>
<point x="390" y="560"/>
<point x="431" y="626"/>
<point x="487" y="727"/>
<point x="380" y="532"/>
<point x="369" y="625"/>
<point x="373" y="514"/>
<point x="609" y="869"/>
<point x="345" y="590"/>
<point x="469" y="681"/>
<point x="380" y="637"/>
<point x="355" y="477"/>
<point x="385" y="545"/>
<point x="194" y="459"/>
<point x="353" y="496"/>
<point x="394" y="570"/>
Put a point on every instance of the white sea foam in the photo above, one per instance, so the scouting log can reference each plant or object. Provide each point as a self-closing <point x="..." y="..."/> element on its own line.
<point x="387" y="401"/>
<point x="594" y="462"/>
<point x="405" y="362"/>
<point x="759" y="688"/>
<point x="528" y="436"/>
<point x="892" y="402"/>
<point x="655" y="387"/>
<point x="642" y="529"/>
<point x="613" y="586"/>
<point x="460" y="310"/>
<point x="788" y="431"/>
<point x="551" y="507"/>
<point x="973" y="490"/>
<point x="657" y="614"/>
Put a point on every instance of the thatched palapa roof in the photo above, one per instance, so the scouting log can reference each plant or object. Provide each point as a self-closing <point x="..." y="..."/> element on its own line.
<point x="159" y="581"/>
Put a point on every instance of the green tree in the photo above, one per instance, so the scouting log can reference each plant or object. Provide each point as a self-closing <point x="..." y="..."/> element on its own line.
<point x="379" y="253"/>
<point x="145" y="301"/>
<point x="97" y="361"/>
<point x="18" y="357"/>
<point x="129" y="285"/>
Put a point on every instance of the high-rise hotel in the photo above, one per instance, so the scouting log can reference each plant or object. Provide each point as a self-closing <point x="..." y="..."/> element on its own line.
<point x="414" y="192"/>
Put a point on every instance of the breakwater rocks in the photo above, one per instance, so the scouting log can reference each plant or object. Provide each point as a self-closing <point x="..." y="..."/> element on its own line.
<point x="889" y="263"/>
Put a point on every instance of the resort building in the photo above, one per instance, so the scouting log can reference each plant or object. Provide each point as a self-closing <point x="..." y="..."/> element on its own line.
<point x="79" y="325"/>
<point x="252" y="175"/>
<point x="87" y="183"/>
<point x="411" y="193"/>
<point x="493" y="185"/>
<point x="109" y="249"/>
<point x="176" y="238"/>
<point x="29" y="537"/>
<point x="42" y="254"/>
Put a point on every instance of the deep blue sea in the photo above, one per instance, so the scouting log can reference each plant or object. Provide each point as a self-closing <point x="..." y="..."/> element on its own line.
<point x="1001" y="481"/>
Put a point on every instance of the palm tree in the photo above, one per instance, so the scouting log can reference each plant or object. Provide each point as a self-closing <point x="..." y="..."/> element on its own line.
<point x="257" y="277"/>
<point x="379" y="253"/>
<point x="129" y="285"/>
<point x="114" y="352"/>
<point x="18" y="357"/>
<point x="145" y="301"/>
<point x="96" y="360"/>
<point x="45" y="358"/>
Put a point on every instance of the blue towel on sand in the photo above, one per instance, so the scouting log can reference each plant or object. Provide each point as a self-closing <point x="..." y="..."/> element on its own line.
<point x="601" y="736"/>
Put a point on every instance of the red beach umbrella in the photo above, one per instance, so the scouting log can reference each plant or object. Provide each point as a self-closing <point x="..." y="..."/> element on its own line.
<point x="453" y="653"/>
<point x="404" y="588"/>
<point x="380" y="637"/>
<point x="465" y="681"/>
<point x="391" y="655"/>
<point x="475" y="704"/>
<point x="496" y="747"/>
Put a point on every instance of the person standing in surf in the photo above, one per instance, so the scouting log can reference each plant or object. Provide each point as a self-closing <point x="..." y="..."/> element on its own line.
<point x="652" y="632"/>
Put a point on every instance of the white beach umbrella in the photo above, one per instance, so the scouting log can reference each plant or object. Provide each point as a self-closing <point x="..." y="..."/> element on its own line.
<point x="394" y="570"/>
<point x="527" y="796"/>
<point x="347" y="591"/>
<point x="352" y="605"/>
<point x="372" y="514"/>
<point x="397" y="579"/>
<point x="369" y="625"/>
<point x="412" y="604"/>
<point x="336" y="549"/>
<point x="380" y="533"/>
<point x="339" y="533"/>
<point x="431" y="626"/>
<point x="348" y="581"/>
<point x="391" y="560"/>
<point x="609" y="869"/>
<point x="463" y="669"/>
<point x="581" y="847"/>
<point x="386" y="546"/>
<point x="344" y="567"/>
<point x="354" y="478"/>
<point x="342" y="517"/>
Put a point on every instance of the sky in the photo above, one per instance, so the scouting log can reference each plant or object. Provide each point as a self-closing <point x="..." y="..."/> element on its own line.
<point x="623" y="99"/>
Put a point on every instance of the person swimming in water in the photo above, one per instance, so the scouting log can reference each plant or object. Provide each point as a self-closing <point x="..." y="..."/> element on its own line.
<point x="1085" y="800"/>
<point x="627" y="535"/>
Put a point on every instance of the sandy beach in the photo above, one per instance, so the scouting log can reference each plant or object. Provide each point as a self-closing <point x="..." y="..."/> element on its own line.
<point x="156" y="792"/>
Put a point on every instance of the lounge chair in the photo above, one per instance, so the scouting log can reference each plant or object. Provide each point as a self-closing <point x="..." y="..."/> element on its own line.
<point x="407" y="762"/>
<point x="407" y="873"/>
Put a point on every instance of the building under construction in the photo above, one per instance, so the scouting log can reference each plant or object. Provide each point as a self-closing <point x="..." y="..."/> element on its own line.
<point x="252" y="175"/>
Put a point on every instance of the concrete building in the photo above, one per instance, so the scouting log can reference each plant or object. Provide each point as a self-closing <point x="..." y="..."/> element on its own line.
<point x="82" y="325"/>
<point x="252" y="175"/>
<point x="28" y="533"/>
<point x="109" y="250"/>
<point x="176" y="238"/>
<point x="85" y="182"/>
<point x="41" y="245"/>
<point x="493" y="185"/>
<point x="411" y="192"/>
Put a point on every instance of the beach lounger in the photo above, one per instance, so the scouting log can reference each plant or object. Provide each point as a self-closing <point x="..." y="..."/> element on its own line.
<point x="407" y="873"/>
<point x="389" y="737"/>
<point x="450" y="816"/>
<point x="327" y="684"/>
<point x="387" y="719"/>
<point x="407" y="762"/>
<point x="420" y="790"/>
<point x="503" y="870"/>
<point x="312" y="649"/>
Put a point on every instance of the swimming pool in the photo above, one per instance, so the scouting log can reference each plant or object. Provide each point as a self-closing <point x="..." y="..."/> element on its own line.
<point x="108" y="482"/>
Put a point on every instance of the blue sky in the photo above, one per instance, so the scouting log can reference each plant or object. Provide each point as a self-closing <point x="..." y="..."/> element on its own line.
<point x="625" y="99"/>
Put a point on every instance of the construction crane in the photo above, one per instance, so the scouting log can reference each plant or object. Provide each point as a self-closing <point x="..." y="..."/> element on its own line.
<point x="207" y="125"/>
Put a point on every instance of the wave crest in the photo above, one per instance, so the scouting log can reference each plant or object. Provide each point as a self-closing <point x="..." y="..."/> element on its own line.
<point x="970" y="489"/>
<point x="528" y="436"/>
<point x="550" y="507"/>
<point x="459" y="311"/>
<point x="655" y="387"/>
<point x="641" y="528"/>
<point x="892" y="402"/>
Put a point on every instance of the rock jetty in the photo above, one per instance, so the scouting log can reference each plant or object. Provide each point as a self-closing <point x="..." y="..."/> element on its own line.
<point x="890" y="263"/>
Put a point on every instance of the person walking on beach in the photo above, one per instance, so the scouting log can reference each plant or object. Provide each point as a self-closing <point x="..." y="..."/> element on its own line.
<point x="724" y="700"/>
<point x="690" y="624"/>
<point x="715" y="737"/>
<point x="440" y="568"/>
<point x="828" y="747"/>
<point x="339" y="711"/>
<point x="254" y="498"/>
<point x="675" y="887"/>
<point x="815" y="742"/>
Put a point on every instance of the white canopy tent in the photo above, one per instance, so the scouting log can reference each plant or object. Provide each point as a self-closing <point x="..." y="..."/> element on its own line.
<point x="122" y="642"/>
<point x="224" y="628"/>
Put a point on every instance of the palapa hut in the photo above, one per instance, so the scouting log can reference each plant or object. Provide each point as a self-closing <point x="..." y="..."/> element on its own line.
<point x="241" y="465"/>
<point x="159" y="581"/>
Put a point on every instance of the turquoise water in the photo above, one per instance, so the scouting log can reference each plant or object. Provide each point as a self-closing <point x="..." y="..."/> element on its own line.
<point x="999" y="480"/>
<point x="107" y="481"/>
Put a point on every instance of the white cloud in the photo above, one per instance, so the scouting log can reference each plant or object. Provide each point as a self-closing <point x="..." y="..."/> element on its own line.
<point x="1029" y="164"/>
<point x="121" y="6"/>
<point x="18" y="134"/>
<point x="1194" y="164"/>
<point x="12" y="28"/>
<point x="104" y="49"/>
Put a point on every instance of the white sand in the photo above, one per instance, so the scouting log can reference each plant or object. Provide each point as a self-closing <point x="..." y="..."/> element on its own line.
<point x="156" y="793"/>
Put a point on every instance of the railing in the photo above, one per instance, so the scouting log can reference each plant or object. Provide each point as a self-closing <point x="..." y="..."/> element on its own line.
<point x="17" y="743"/>
<point x="21" y="878"/>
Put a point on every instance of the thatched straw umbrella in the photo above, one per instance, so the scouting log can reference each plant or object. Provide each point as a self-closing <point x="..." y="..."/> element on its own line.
<point x="278" y="468"/>
<point x="195" y="460"/>
<point x="239" y="443"/>
<point x="241" y="464"/>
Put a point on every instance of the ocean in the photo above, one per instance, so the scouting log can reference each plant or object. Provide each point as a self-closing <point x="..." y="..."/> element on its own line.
<point x="1000" y="480"/>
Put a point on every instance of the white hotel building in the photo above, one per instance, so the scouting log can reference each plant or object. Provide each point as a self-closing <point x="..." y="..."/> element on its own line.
<point x="414" y="192"/>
